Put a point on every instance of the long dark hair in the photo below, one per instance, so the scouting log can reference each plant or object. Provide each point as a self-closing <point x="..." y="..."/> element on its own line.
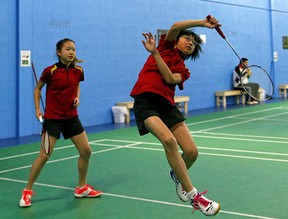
<point x="196" y="53"/>
<point x="60" y="45"/>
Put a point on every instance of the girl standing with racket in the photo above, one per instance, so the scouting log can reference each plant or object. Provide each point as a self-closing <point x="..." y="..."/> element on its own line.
<point x="61" y="116"/>
<point x="154" y="106"/>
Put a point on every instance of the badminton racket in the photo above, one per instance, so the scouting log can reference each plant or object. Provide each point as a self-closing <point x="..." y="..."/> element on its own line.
<point x="45" y="141"/>
<point x="258" y="75"/>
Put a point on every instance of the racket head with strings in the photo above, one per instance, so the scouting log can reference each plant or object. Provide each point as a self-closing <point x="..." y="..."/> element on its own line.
<point x="45" y="141"/>
<point x="260" y="76"/>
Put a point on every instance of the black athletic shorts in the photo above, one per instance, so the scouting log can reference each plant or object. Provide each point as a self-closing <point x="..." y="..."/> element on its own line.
<point x="68" y="127"/>
<point x="149" y="104"/>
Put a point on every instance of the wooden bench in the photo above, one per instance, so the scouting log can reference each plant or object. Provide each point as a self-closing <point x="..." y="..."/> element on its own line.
<point x="221" y="96"/>
<point x="283" y="90"/>
<point x="180" y="101"/>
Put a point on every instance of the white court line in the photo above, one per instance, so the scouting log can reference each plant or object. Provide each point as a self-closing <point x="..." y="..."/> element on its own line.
<point x="193" y="132"/>
<point x="234" y="116"/>
<point x="237" y="123"/>
<point x="199" y="147"/>
<point x="273" y="120"/>
<point x="240" y="139"/>
<point x="221" y="155"/>
<point x="204" y="131"/>
<point x="247" y="121"/>
<point x="69" y="158"/>
<point x="277" y="120"/>
<point x="133" y="143"/>
<point x="37" y="152"/>
<point x="284" y="107"/>
<point x="136" y="198"/>
<point x="118" y="147"/>
<point x="244" y="151"/>
<point x="245" y="136"/>
<point x="245" y="157"/>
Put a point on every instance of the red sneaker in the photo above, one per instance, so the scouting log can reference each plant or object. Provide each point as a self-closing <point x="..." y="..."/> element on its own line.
<point x="87" y="191"/>
<point x="25" y="200"/>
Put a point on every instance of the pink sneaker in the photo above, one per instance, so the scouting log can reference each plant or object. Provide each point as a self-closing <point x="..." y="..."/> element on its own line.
<point x="87" y="191"/>
<point x="206" y="206"/>
<point x="25" y="200"/>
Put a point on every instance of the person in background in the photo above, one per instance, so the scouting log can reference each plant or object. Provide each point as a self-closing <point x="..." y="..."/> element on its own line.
<point x="61" y="116"/>
<point x="155" y="109"/>
<point x="246" y="74"/>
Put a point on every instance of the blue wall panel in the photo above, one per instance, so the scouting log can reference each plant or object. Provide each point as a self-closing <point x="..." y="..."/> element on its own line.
<point x="8" y="73"/>
<point x="108" y="37"/>
<point x="278" y="30"/>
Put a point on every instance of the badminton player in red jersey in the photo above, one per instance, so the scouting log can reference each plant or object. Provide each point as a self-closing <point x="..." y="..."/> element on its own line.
<point x="154" y="106"/>
<point x="61" y="116"/>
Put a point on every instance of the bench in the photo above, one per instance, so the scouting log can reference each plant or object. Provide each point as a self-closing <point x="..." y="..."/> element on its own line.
<point x="283" y="90"/>
<point x="180" y="101"/>
<point x="129" y="106"/>
<point x="221" y="96"/>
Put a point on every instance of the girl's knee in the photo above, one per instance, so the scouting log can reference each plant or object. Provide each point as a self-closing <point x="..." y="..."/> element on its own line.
<point x="170" y="144"/>
<point x="44" y="157"/>
<point x="86" y="153"/>
<point x="191" y="154"/>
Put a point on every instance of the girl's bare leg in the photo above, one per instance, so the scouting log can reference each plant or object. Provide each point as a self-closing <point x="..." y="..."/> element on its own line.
<point x="155" y="125"/>
<point x="82" y="144"/>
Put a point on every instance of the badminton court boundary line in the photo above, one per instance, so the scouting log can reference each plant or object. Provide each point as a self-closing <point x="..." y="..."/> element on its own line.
<point x="233" y="116"/>
<point x="133" y="146"/>
<point x="137" y="198"/>
<point x="237" y="123"/>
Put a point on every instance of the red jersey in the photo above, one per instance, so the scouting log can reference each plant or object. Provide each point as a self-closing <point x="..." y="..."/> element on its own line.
<point x="150" y="78"/>
<point x="61" y="90"/>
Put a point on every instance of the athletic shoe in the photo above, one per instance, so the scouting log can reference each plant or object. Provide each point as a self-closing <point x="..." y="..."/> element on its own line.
<point x="206" y="206"/>
<point x="252" y="102"/>
<point x="25" y="200"/>
<point x="182" y="194"/>
<point x="87" y="191"/>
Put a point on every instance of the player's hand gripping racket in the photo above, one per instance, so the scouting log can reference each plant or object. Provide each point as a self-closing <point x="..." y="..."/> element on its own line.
<point x="258" y="74"/>
<point x="45" y="141"/>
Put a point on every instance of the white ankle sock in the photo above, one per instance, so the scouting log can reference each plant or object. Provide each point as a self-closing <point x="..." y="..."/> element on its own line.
<point x="192" y="194"/>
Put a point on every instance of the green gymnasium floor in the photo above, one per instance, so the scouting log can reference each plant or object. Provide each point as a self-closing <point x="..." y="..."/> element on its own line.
<point x="243" y="163"/>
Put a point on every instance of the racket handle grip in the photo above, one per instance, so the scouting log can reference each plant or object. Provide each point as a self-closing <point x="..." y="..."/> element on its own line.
<point x="217" y="28"/>
<point x="40" y="119"/>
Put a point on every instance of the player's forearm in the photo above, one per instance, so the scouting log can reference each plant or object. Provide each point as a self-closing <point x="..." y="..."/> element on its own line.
<point x="181" y="25"/>
<point x="165" y="71"/>
<point x="37" y="97"/>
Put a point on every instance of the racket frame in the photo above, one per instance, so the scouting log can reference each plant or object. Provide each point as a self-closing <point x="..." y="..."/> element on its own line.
<point x="45" y="139"/>
<point x="220" y="32"/>
<point x="267" y="97"/>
